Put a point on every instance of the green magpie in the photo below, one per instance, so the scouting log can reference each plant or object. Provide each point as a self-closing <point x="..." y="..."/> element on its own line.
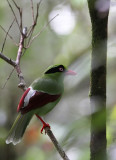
<point x="39" y="99"/>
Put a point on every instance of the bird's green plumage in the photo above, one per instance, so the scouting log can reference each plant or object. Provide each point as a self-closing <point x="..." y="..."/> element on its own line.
<point x="18" y="128"/>
<point x="51" y="83"/>
<point x="47" y="108"/>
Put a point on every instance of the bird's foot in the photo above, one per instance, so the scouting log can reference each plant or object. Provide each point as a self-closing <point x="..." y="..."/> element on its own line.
<point x="44" y="126"/>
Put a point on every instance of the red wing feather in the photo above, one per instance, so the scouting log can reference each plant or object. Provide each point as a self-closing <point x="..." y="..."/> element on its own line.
<point x="21" y="103"/>
<point x="38" y="100"/>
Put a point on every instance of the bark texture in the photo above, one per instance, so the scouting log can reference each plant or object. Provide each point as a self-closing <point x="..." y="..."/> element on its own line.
<point x="99" y="20"/>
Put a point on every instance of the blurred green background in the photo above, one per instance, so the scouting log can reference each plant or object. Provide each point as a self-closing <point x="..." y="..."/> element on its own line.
<point x="66" y="40"/>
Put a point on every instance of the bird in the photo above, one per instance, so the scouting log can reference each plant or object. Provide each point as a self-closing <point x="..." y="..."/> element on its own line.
<point x="39" y="99"/>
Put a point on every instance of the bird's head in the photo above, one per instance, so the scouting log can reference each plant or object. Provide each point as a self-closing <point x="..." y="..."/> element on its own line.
<point x="58" y="71"/>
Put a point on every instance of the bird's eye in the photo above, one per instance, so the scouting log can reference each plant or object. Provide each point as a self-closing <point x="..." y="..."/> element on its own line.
<point x="61" y="69"/>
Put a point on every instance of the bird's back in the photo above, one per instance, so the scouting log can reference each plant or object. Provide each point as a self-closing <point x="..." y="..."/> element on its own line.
<point x="48" y="85"/>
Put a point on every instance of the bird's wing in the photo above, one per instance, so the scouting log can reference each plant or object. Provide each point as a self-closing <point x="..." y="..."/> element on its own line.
<point x="33" y="99"/>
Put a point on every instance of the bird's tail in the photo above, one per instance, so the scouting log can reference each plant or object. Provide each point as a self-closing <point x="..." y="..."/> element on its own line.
<point x="18" y="128"/>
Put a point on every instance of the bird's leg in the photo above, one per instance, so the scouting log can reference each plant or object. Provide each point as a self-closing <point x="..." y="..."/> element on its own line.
<point x="44" y="124"/>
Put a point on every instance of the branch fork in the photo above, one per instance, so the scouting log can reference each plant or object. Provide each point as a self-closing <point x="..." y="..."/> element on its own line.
<point x="25" y="34"/>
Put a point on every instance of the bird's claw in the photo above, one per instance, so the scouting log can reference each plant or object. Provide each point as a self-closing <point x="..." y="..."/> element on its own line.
<point x="44" y="126"/>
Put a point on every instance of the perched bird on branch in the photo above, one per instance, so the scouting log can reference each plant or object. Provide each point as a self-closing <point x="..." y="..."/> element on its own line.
<point x="39" y="99"/>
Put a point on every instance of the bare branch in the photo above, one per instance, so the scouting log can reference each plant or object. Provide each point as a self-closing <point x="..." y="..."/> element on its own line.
<point x="29" y="35"/>
<point x="43" y="28"/>
<point x="30" y="31"/>
<point x="20" y="13"/>
<point x="9" y="35"/>
<point x="14" y="16"/>
<point x="32" y="11"/>
<point x="16" y="65"/>
<point x="22" y="83"/>
<point x="37" y="11"/>
<point x="21" y="23"/>
<point x="16" y="5"/>
<point x="19" y="53"/>
<point x="56" y="144"/>
<point x="8" y="78"/>
<point x="8" y="60"/>
<point x="6" y="36"/>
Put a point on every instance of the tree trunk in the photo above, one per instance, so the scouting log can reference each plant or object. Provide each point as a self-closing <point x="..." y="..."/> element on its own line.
<point x="99" y="20"/>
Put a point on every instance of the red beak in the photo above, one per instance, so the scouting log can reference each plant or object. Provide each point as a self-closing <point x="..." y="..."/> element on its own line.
<point x="70" y="72"/>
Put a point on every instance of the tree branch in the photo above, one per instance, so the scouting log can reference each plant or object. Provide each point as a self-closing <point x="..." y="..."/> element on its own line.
<point x="14" y="15"/>
<point x="16" y="65"/>
<point x="8" y="78"/>
<point x="43" y="28"/>
<point x="22" y="83"/>
<point x="20" y="14"/>
<point x="56" y="144"/>
<point x="6" y="36"/>
<point x="34" y="23"/>
<point x="32" y="10"/>
<point x="9" y="35"/>
<point x="8" y="60"/>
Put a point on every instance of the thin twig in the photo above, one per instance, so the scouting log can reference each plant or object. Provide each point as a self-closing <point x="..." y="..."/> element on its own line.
<point x="32" y="10"/>
<point x="8" y="60"/>
<point x="16" y="5"/>
<point x="9" y="35"/>
<point x="56" y="144"/>
<point x="37" y="11"/>
<point x="21" y="22"/>
<point x="43" y="28"/>
<point x="30" y="32"/>
<point x="8" y="78"/>
<point x="14" y="15"/>
<point x="20" y="13"/>
<point x="35" y="20"/>
<point x="30" y="35"/>
<point x="6" y="36"/>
